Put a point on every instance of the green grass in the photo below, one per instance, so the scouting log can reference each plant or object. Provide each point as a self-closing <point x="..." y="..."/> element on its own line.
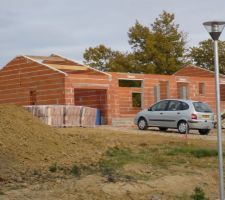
<point x="76" y="170"/>
<point x="198" y="194"/>
<point x="117" y="162"/>
<point x="193" y="151"/>
<point x="53" y="167"/>
<point x="116" y="158"/>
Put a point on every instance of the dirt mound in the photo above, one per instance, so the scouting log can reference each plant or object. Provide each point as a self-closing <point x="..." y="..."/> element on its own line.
<point x="136" y="166"/>
<point x="27" y="144"/>
<point x="24" y="139"/>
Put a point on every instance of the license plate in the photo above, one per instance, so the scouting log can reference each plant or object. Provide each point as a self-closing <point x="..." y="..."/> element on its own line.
<point x="205" y="116"/>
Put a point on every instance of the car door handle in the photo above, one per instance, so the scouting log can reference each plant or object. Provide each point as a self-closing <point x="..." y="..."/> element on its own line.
<point x="178" y="113"/>
<point x="161" y="113"/>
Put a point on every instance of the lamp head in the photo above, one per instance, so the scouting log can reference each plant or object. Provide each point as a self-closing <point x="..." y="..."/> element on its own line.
<point x="214" y="28"/>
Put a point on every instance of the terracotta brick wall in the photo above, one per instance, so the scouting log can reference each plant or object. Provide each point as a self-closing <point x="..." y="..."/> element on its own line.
<point x="194" y="71"/>
<point x="164" y="89"/>
<point x="123" y="95"/>
<point x="222" y="92"/>
<point x="21" y="76"/>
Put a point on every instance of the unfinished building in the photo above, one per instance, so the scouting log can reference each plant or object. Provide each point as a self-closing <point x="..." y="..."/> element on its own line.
<point x="55" y="80"/>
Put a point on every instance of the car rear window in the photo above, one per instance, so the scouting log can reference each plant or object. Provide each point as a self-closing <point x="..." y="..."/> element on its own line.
<point x="202" y="107"/>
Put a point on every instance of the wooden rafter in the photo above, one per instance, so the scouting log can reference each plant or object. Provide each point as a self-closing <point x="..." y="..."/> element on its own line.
<point x="68" y="67"/>
<point x="47" y="58"/>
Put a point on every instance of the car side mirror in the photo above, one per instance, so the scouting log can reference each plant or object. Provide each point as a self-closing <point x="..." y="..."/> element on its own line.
<point x="150" y="109"/>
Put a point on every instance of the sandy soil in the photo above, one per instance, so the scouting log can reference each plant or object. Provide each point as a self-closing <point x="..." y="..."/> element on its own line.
<point x="28" y="148"/>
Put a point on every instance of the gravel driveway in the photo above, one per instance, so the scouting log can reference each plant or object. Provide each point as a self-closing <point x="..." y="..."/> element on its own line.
<point x="169" y="133"/>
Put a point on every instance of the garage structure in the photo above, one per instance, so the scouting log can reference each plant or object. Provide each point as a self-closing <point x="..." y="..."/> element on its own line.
<point x="55" y="80"/>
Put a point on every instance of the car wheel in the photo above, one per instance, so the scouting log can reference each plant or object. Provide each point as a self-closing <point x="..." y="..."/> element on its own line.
<point x="142" y="124"/>
<point x="182" y="127"/>
<point x="204" y="131"/>
<point x="163" y="129"/>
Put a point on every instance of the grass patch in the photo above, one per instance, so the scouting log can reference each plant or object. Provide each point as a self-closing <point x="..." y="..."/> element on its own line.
<point x="76" y="170"/>
<point x="115" y="158"/>
<point x="198" y="194"/>
<point x="117" y="163"/>
<point x="53" y="167"/>
<point x="119" y="157"/>
<point x="196" y="152"/>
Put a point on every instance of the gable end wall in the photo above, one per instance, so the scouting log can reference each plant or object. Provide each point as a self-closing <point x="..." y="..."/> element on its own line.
<point x="21" y="75"/>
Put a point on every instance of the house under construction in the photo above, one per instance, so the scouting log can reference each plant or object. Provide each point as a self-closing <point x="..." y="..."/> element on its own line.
<point x="55" y="80"/>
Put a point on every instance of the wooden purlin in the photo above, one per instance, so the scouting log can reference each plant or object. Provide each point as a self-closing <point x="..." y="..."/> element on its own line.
<point x="91" y="68"/>
<point x="46" y="58"/>
<point x="41" y="63"/>
<point x="69" y="67"/>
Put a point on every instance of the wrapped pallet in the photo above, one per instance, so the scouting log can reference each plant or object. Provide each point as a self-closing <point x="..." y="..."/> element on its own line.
<point x="41" y="111"/>
<point x="88" y="117"/>
<point x="56" y="115"/>
<point x="64" y="115"/>
<point x="72" y="115"/>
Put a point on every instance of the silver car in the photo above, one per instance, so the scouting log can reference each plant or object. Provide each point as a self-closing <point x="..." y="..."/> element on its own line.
<point x="179" y="114"/>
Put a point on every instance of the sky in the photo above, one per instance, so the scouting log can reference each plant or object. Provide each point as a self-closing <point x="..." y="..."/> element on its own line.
<point x="68" y="27"/>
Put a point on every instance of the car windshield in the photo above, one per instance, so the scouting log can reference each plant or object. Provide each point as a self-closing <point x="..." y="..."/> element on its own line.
<point x="202" y="107"/>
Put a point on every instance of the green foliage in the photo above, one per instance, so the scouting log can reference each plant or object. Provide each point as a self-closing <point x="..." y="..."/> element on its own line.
<point x="130" y="83"/>
<point x="156" y="49"/>
<point x="75" y="170"/>
<point x="117" y="163"/>
<point x="116" y="158"/>
<point x="198" y="194"/>
<point x="203" y="56"/>
<point x="53" y="167"/>
<point x="136" y="100"/>
<point x="196" y="152"/>
<point x="98" y="57"/>
<point x="161" y="48"/>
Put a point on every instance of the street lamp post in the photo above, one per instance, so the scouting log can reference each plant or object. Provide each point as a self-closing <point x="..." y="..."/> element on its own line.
<point x="215" y="28"/>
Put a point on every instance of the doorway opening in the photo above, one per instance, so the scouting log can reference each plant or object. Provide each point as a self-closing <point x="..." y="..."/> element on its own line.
<point x="183" y="90"/>
<point x="94" y="98"/>
<point x="33" y="97"/>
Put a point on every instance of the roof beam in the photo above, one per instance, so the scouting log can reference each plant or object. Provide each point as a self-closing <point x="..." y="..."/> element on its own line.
<point x="46" y="58"/>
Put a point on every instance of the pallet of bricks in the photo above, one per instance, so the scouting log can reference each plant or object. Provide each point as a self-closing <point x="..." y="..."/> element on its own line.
<point x="64" y="115"/>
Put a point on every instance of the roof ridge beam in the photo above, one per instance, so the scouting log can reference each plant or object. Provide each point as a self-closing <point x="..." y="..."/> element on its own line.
<point x="46" y="65"/>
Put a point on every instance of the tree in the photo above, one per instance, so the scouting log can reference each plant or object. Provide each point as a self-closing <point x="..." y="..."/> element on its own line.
<point x="139" y="37"/>
<point x="105" y="59"/>
<point x="156" y="49"/>
<point x="161" y="47"/>
<point x="122" y="62"/>
<point x="203" y="56"/>
<point x="98" y="57"/>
